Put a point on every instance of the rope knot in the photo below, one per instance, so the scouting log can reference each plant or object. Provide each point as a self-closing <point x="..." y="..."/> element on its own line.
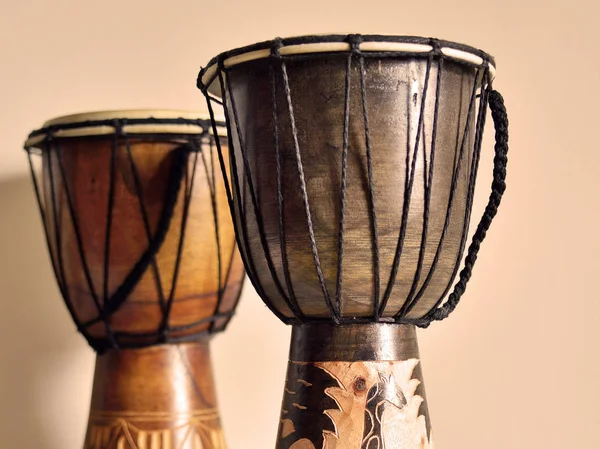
<point x="276" y="48"/>
<point x="354" y="40"/>
<point x="118" y="126"/>
<point x="221" y="63"/>
<point x="436" y="47"/>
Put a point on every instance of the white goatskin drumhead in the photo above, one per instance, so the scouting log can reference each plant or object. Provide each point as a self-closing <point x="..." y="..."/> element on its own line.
<point x="129" y="114"/>
<point x="332" y="47"/>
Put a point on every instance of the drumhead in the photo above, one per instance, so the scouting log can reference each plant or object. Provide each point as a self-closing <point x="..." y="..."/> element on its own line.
<point x="332" y="43"/>
<point x="134" y="121"/>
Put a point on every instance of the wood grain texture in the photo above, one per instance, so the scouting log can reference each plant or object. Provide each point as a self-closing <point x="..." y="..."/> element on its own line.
<point x="85" y="175"/>
<point x="157" y="396"/>
<point x="395" y="94"/>
<point x="161" y="397"/>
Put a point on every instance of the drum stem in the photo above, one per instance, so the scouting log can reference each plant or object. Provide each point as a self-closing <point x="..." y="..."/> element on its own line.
<point x="161" y="397"/>
<point x="354" y="386"/>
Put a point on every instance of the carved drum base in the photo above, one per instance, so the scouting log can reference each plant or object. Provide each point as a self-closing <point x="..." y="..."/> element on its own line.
<point x="161" y="397"/>
<point x="354" y="387"/>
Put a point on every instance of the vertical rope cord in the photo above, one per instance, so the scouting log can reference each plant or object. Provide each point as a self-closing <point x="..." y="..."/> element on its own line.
<point x="426" y="188"/>
<point x="235" y="185"/>
<point x="164" y="327"/>
<point x="105" y="292"/>
<point x="178" y="167"/>
<point x="235" y="199"/>
<point x="309" y="222"/>
<point x="137" y="183"/>
<point x="218" y="312"/>
<point x="408" y="186"/>
<point x="479" y="125"/>
<point x="428" y="181"/>
<point x="338" y="290"/>
<point x="411" y="300"/>
<point x="76" y="230"/>
<point x="212" y="187"/>
<point x="57" y="236"/>
<point x="372" y="210"/>
<point x="45" y="222"/>
<point x="60" y="280"/>
<point x="453" y="187"/>
<point x="293" y="301"/>
<point x="253" y="197"/>
<point x="228" y="315"/>
<point x="109" y="213"/>
<point x="59" y="200"/>
<point x="500" y="119"/>
<point x="229" y="194"/>
<point x="222" y="283"/>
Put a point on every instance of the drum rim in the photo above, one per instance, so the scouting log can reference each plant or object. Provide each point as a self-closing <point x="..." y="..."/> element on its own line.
<point x="126" y="114"/>
<point x="372" y="43"/>
<point x="133" y="122"/>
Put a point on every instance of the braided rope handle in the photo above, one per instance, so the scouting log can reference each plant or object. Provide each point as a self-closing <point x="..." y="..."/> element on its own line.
<point x="500" y="119"/>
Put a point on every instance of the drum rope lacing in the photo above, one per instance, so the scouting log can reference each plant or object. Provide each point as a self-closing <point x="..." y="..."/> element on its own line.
<point x="441" y="309"/>
<point x="178" y="172"/>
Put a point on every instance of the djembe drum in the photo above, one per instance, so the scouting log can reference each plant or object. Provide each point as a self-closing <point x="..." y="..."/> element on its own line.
<point x="353" y="162"/>
<point x="143" y="248"/>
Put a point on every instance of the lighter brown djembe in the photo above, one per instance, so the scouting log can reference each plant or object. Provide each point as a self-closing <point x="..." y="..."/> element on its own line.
<point x="144" y="252"/>
<point x="352" y="174"/>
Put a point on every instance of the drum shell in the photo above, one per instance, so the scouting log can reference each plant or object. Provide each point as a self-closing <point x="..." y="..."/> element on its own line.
<point x="85" y="178"/>
<point x="395" y="89"/>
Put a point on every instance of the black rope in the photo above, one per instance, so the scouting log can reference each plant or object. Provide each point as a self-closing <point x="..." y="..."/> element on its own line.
<point x="463" y="157"/>
<point x="291" y="296"/>
<point x="224" y="289"/>
<point x="372" y="209"/>
<point x="456" y="170"/>
<point x="76" y="230"/>
<point x="480" y="123"/>
<point x="500" y="119"/>
<point x="409" y="180"/>
<point x="187" y="194"/>
<point x="420" y="133"/>
<point x="253" y="196"/>
<point x="46" y="224"/>
<point x="242" y="230"/>
<point x="64" y="288"/>
<point x="229" y="186"/>
<point x="212" y="188"/>
<point x="146" y="220"/>
<point x="340" y="38"/>
<point x="138" y="340"/>
<point x="112" y="302"/>
<point x="309" y="220"/>
<point x="343" y="184"/>
<point x="51" y="130"/>
<point x="411" y="301"/>
<point x="178" y="168"/>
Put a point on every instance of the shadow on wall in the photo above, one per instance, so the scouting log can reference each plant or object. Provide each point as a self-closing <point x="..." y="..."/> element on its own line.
<point x="45" y="366"/>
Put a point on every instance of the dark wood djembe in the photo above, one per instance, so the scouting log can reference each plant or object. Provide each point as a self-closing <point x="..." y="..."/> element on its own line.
<point x="352" y="173"/>
<point x="143" y="248"/>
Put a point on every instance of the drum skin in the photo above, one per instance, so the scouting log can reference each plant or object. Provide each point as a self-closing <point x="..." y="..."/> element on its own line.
<point x="395" y="91"/>
<point x="86" y="168"/>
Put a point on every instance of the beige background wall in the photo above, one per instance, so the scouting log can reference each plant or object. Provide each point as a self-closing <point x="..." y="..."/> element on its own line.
<point x="517" y="365"/>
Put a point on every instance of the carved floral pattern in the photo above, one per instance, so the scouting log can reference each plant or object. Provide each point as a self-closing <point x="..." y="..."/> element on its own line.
<point x="376" y="408"/>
